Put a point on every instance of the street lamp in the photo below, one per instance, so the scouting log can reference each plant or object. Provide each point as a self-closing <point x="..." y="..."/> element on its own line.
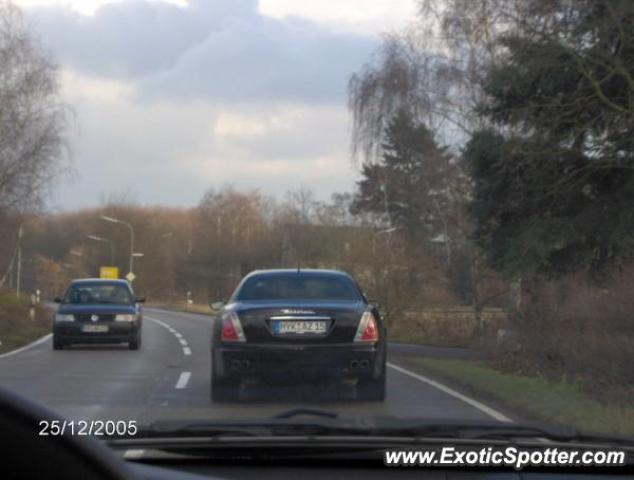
<point x="116" y="220"/>
<point x="104" y="240"/>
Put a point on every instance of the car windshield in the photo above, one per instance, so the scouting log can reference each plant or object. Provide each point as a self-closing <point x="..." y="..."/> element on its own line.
<point x="98" y="293"/>
<point x="297" y="286"/>
<point x="350" y="213"/>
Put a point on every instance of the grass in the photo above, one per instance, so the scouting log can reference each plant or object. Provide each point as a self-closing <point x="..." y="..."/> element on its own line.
<point x="534" y="397"/>
<point x="184" y="307"/>
<point x="17" y="328"/>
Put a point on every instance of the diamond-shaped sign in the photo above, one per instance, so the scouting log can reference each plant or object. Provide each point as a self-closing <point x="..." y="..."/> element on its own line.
<point x="130" y="277"/>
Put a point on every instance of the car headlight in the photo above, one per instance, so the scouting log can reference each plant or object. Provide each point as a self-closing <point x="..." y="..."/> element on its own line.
<point x="124" y="317"/>
<point x="63" y="317"/>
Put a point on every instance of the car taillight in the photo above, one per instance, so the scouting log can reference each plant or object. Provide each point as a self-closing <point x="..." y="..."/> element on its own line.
<point x="368" y="330"/>
<point x="231" y="330"/>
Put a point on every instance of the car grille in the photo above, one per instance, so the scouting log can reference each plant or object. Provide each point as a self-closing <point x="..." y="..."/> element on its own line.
<point x="86" y="317"/>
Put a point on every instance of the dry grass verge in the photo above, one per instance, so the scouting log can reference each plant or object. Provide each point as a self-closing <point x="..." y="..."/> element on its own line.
<point x="535" y="397"/>
<point x="17" y="328"/>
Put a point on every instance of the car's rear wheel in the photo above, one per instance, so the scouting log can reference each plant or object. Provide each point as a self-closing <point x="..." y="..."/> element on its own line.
<point x="135" y="343"/>
<point x="371" y="390"/>
<point x="58" y="343"/>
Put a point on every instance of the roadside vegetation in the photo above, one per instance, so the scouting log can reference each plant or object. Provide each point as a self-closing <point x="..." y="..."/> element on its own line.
<point x="534" y="98"/>
<point x="535" y="397"/>
<point x="184" y="307"/>
<point x="18" y="325"/>
<point x="32" y="155"/>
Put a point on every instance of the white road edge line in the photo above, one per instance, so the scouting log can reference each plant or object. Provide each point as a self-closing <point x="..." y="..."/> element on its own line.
<point x="450" y="391"/>
<point x="25" y="347"/>
<point x="186" y="349"/>
<point x="182" y="380"/>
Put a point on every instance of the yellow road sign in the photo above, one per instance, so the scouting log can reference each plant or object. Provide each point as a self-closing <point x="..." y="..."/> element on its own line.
<point x="108" y="272"/>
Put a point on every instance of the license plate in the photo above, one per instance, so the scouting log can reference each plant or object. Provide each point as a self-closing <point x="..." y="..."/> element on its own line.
<point x="94" y="328"/>
<point x="283" y="327"/>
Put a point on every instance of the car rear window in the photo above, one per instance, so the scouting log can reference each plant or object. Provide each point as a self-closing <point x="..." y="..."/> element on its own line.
<point x="296" y="286"/>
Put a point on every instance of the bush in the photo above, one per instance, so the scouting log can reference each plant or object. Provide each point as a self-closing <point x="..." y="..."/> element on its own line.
<point x="16" y="325"/>
<point x="577" y="330"/>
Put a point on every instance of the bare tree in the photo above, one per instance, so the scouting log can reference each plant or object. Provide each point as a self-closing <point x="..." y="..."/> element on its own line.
<point x="300" y="204"/>
<point x="434" y="68"/>
<point x="32" y="123"/>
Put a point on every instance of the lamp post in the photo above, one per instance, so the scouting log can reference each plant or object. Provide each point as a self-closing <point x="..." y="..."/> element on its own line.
<point x="104" y="240"/>
<point x="116" y="220"/>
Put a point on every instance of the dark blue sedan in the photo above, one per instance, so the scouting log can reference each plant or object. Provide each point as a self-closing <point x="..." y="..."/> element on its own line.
<point x="98" y="311"/>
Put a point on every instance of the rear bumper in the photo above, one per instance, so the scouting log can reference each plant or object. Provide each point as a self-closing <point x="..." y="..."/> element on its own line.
<point x="285" y="363"/>
<point x="118" y="332"/>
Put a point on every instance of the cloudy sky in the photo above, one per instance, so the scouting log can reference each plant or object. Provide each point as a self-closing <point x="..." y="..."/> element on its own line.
<point x="172" y="97"/>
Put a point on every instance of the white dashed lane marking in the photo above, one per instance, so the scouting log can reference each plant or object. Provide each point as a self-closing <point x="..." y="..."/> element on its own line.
<point x="176" y="333"/>
<point x="182" y="380"/>
<point x="184" y="376"/>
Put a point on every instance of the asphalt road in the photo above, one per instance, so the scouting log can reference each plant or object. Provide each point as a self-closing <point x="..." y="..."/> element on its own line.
<point x="168" y="378"/>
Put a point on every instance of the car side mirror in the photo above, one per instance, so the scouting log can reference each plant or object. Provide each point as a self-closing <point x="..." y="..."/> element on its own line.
<point x="217" y="305"/>
<point x="57" y="299"/>
<point x="139" y="300"/>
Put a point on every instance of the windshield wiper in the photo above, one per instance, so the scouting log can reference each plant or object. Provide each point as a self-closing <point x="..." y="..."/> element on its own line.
<point x="291" y="422"/>
<point x="317" y="423"/>
<point x="315" y="412"/>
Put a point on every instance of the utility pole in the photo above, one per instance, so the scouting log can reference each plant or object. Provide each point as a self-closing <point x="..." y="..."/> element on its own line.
<point x="19" y="266"/>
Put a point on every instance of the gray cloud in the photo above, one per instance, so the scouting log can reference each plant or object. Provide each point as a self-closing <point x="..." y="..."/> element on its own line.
<point x="172" y="100"/>
<point x="219" y="50"/>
